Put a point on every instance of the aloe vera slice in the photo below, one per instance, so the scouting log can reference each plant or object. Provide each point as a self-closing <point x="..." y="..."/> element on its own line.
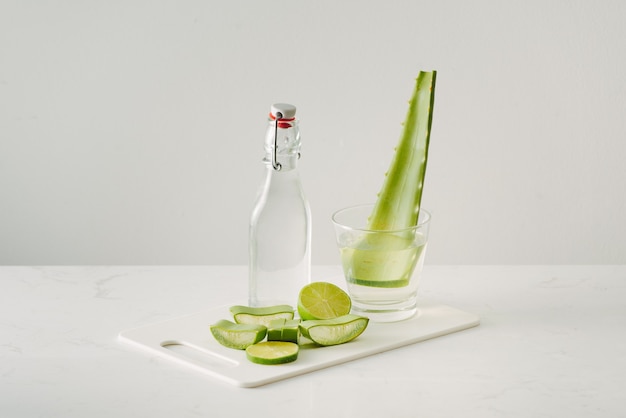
<point x="261" y="315"/>
<point x="237" y="336"/>
<point x="284" y="330"/>
<point x="334" y="331"/>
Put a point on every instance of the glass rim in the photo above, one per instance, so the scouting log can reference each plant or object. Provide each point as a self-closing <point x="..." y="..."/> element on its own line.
<point x="419" y="225"/>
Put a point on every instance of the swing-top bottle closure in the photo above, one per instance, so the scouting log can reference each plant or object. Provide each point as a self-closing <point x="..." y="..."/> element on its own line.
<point x="284" y="113"/>
<point x="282" y="117"/>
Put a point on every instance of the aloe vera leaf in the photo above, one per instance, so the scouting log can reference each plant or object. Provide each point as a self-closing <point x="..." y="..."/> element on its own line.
<point x="388" y="259"/>
<point x="399" y="200"/>
<point x="382" y="260"/>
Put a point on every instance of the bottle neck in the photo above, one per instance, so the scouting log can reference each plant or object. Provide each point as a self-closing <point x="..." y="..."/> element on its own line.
<point x="282" y="144"/>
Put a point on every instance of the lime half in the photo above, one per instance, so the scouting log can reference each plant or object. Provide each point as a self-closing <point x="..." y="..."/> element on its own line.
<point x="272" y="352"/>
<point x="261" y="315"/>
<point x="323" y="300"/>
<point x="334" y="331"/>
<point x="238" y="336"/>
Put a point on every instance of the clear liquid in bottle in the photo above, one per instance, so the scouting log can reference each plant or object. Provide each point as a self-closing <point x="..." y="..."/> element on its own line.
<point x="280" y="225"/>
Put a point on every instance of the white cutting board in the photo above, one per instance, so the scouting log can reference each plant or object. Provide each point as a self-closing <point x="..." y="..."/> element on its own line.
<point x="188" y="340"/>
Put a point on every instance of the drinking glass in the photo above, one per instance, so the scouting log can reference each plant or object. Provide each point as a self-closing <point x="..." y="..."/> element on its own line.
<point x="382" y="268"/>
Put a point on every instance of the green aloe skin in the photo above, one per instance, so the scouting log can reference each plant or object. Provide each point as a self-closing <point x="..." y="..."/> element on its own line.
<point x="387" y="259"/>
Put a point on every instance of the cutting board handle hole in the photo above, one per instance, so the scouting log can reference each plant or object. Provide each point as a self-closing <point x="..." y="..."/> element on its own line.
<point x="197" y="355"/>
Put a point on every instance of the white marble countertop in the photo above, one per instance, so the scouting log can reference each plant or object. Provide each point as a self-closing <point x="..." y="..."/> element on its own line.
<point x="552" y="343"/>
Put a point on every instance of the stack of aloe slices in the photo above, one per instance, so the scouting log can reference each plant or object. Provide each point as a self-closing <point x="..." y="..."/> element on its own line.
<point x="271" y="335"/>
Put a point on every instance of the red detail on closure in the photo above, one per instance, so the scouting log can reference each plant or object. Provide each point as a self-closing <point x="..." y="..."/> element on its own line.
<point x="282" y="123"/>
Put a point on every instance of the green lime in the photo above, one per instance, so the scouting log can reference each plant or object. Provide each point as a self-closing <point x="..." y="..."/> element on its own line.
<point x="323" y="300"/>
<point x="334" y="331"/>
<point x="272" y="352"/>
<point x="238" y="336"/>
<point x="260" y="315"/>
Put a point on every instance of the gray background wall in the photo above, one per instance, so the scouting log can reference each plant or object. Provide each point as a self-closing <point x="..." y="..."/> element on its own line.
<point x="131" y="131"/>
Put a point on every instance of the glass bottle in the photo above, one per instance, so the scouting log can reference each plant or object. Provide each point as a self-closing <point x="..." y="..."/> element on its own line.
<point x="280" y="225"/>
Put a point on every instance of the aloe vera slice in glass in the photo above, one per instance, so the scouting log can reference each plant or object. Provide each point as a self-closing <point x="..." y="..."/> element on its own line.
<point x="382" y="256"/>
